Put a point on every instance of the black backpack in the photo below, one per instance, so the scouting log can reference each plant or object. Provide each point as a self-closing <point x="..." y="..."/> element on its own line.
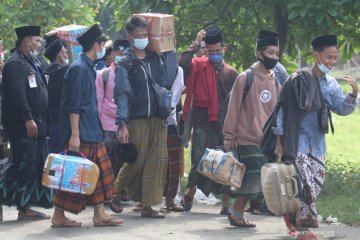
<point x="249" y="81"/>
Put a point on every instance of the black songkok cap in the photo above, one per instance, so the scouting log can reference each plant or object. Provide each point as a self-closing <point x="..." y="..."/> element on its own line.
<point x="89" y="36"/>
<point x="53" y="50"/>
<point x="263" y="33"/>
<point x="266" y="38"/>
<point x="121" y="44"/>
<point x="213" y="35"/>
<point x="127" y="153"/>
<point x="324" y="41"/>
<point x="27" y="31"/>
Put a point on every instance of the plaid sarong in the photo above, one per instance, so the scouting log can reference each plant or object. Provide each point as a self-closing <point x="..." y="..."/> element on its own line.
<point x="173" y="173"/>
<point x="76" y="202"/>
<point x="112" y="148"/>
<point x="253" y="158"/>
<point x="145" y="178"/>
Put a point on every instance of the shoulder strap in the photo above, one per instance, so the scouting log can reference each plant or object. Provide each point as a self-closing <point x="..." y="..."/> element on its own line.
<point x="249" y="82"/>
<point x="105" y="75"/>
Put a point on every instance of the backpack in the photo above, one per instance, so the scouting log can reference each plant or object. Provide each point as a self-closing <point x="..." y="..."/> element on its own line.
<point x="248" y="84"/>
<point x="105" y="75"/>
<point x="268" y="138"/>
<point x="169" y="65"/>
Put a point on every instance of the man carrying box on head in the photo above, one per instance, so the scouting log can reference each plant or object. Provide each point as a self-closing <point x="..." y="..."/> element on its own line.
<point x="138" y="119"/>
<point x="82" y="128"/>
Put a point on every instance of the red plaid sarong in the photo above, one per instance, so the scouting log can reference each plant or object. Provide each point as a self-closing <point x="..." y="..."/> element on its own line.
<point x="174" y="167"/>
<point x="76" y="202"/>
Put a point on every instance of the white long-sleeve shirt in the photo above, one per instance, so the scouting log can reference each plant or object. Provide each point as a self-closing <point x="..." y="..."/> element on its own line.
<point x="176" y="88"/>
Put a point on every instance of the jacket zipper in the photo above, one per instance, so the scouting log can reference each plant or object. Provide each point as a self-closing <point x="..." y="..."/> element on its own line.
<point x="147" y="89"/>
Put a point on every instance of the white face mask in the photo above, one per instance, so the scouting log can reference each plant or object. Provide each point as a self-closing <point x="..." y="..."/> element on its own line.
<point x="141" y="43"/>
<point x="66" y="61"/>
<point x="33" y="53"/>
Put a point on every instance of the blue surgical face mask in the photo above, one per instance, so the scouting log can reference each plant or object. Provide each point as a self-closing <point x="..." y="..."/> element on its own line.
<point x="324" y="69"/>
<point x="216" y="58"/>
<point x="141" y="43"/>
<point x="118" y="59"/>
<point x="100" y="55"/>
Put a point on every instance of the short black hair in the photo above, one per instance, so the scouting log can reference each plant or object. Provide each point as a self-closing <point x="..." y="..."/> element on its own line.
<point x="100" y="39"/>
<point x="320" y="49"/>
<point x="135" y="22"/>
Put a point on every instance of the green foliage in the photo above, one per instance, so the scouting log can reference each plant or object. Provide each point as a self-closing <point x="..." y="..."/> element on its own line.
<point x="297" y="21"/>
<point x="46" y="13"/>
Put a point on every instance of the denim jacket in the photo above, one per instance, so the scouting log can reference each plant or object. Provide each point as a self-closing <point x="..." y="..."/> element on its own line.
<point x="311" y="140"/>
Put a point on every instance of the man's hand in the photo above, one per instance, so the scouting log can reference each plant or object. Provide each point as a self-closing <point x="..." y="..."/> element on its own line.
<point x="228" y="144"/>
<point x="353" y="83"/>
<point x="74" y="143"/>
<point x="123" y="134"/>
<point x="200" y="36"/>
<point x="31" y="128"/>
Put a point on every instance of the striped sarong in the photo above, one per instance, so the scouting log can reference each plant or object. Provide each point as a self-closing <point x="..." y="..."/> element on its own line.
<point x="173" y="173"/>
<point x="312" y="170"/>
<point x="76" y="202"/>
<point x="112" y="148"/>
<point x="145" y="178"/>
<point x="253" y="158"/>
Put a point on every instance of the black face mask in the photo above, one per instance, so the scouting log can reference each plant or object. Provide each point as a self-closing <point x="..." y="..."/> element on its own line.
<point x="269" y="63"/>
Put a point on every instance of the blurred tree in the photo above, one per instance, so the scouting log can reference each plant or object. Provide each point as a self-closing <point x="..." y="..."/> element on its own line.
<point x="297" y="21"/>
<point x="46" y="13"/>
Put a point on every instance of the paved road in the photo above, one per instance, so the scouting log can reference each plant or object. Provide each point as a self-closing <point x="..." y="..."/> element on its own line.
<point x="203" y="222"/>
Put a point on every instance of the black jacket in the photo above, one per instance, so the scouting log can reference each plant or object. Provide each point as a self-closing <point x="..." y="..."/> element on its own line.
<point x="133" y="93"/>
<point x="56" y="73"/>
<point x="20" y="102"/>
<point x="300" y="93"/>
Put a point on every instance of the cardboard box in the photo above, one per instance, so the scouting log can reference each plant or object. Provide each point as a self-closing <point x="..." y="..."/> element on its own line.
<point x="158" y="23"/>
<point x="163" y="43"/>
<point x="70" y="173"/>
<point x="221" y="167"/>
<point x="160" y="31"/>
<point x="69" y="34"/>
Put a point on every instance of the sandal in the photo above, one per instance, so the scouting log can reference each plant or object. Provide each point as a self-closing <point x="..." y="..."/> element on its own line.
<point x="111" y="222"/>
<point x="138" y="208"/>
<point x="224" y="211"/>
<point x="152" y="214"/>
<point x="240" y="222"/>
<point x="187" y="202"/>
<point x="35" y="216"/>
<point x="174" y="208"/>
<point x="67" y="224"/>
<point x="115" y="205"/>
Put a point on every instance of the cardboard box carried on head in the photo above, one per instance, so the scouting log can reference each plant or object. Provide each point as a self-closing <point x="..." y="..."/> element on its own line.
<point x="161" y="31"/>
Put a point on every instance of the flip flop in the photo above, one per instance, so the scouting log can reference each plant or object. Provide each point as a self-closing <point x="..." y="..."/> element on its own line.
<point x="67" y="224"/>
<point x="138" y="208"/>
<point x="152" y="214"/>
<point x="36" y="216"/>
<point x="240" y="222"/>
<point x="115" y="206"/>
<point x="111" y="222"/>
<point x="187" y="202"/>
<point x="174" y="208"/>
<point x="224" y="211"/>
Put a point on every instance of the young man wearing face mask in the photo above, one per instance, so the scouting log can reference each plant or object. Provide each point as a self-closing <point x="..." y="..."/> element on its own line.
<point x="209" y="80"/>
<point x="139" y="122"/>
<point x="25" y="118"/>
<point x="59" y="59"/>
<point x="245" y="120"/>
<point x="105" y="83"/>
<point x="82" y="130"/>
<point x="306" y="99"/>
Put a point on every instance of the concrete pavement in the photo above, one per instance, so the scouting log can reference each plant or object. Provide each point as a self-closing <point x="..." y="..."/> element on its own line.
<point x="202" y="223"/>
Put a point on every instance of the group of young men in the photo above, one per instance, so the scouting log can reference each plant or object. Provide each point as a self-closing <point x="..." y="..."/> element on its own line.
<point x="119" y="107"/>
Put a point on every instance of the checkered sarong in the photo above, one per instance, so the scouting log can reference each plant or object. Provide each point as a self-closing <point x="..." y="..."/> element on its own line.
<point x="76" y="202"/>
<point x="174" y="167"/>
<point x="145" y="178"/>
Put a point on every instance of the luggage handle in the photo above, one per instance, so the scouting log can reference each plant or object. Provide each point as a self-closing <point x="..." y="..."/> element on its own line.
<point x="294" y="186"/>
